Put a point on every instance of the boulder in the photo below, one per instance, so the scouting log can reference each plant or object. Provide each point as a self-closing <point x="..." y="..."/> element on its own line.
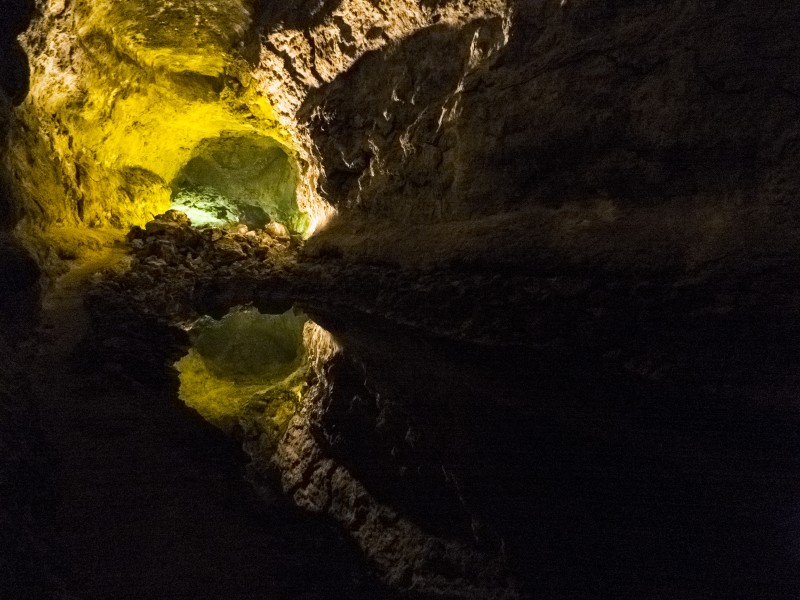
<point x="278" y="231"/>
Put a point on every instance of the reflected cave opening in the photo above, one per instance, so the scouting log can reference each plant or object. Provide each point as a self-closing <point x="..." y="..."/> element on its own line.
<point x="233" y="178"/>
<point x="250" y="368"/>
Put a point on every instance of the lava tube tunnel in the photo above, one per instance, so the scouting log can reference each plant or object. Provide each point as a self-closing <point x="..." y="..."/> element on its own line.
<point x="244" y="179"/>
<point x="247" y="363"/>
<point x="399" y="299"/>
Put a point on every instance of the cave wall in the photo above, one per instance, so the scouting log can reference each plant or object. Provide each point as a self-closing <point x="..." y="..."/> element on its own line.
<point x="251" y="175"/>
<point x="120" y="98"/>
<point x="418" y="113"/>
<point x="19" y="273"/>
<point x="122" y="95"/>
<point x="13" y="86"/>
<point x="634" y="101"/>
<point x="365" y="53"/>
<point x="584" y="131"/>
<point x="388" y="129"/>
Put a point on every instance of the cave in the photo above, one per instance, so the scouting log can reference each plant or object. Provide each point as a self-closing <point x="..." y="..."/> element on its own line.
<point x="239" y="179"/>
<point x="247" y="366"/>
<point x="408" y="300"/>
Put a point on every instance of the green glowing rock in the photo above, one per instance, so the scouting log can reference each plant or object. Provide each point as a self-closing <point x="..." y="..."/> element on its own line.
<point x="248" y="178"/>
<point x="300" y="222"/>
<point x="247" y="345"/>
<point x="247" y="368"/>
<point x="204" y="206"/>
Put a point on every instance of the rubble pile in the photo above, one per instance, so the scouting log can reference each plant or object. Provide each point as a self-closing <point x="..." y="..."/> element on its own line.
<point x="169" y="257"/>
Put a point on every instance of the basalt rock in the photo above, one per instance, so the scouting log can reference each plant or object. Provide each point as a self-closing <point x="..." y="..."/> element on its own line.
<point x="605" y="185"/>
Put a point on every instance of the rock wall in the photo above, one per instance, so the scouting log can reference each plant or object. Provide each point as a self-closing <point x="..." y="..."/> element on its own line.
<point x="121" y="98"/>
<point x="636" y="102"/>
<point x="679" y="118"/>
<point x="422" y="112"/>
<point x="13" y="87"/>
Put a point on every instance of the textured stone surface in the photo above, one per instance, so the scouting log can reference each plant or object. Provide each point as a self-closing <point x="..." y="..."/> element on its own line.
<point x="606" y="188"/>
<point x="121" y="97"/>
<point x="442" y="112"/>
<point x="635" y="102"/>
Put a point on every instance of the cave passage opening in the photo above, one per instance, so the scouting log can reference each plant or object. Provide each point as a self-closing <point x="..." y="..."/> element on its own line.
<point x="250" y="179"/>
<point x="251" y="367"/>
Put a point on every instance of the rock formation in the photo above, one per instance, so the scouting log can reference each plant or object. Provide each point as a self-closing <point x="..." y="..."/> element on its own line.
<point x="595" y="198"/>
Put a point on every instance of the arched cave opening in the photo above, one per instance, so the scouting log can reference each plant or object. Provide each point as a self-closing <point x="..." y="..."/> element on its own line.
<point x="247" y="367"/>
<point x="250" y="179"/>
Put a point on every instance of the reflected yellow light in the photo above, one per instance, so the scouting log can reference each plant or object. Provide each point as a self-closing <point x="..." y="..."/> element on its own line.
<point x="254" y="371"/>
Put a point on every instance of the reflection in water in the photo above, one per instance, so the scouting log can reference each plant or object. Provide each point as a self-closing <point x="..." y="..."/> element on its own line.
<point x="281" y="383"/>
<point x="251" y="368"/>
<point x="453" y="465"/>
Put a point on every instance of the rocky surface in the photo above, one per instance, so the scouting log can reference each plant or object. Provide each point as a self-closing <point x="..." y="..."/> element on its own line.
<point x="169" y="257"/>
<point x="539" y="103"/>
<point x="170" y="263"/>
<point x="615" y="356"/>
<point x="636" y="103"/>
<point x="630" y="133"/>
<point x="595" y="198"/>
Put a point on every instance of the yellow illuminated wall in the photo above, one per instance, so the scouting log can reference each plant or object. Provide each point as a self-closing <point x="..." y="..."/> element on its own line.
<point x="122" y="93"/>
<point x="252" y="370"/>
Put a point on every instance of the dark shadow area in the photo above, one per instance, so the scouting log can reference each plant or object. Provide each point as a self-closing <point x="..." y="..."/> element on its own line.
<point x="14" y="82"/>
<point x="152" y="502"/>
<point x="614" y="108"/>
<point x="365" y="428"/>
<point x="271" y="15"/>
<point x="376" y="103"/>
<point x="14" y="76"/>
<point x="19" y="282"/>
<point x="595" y="482"/>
